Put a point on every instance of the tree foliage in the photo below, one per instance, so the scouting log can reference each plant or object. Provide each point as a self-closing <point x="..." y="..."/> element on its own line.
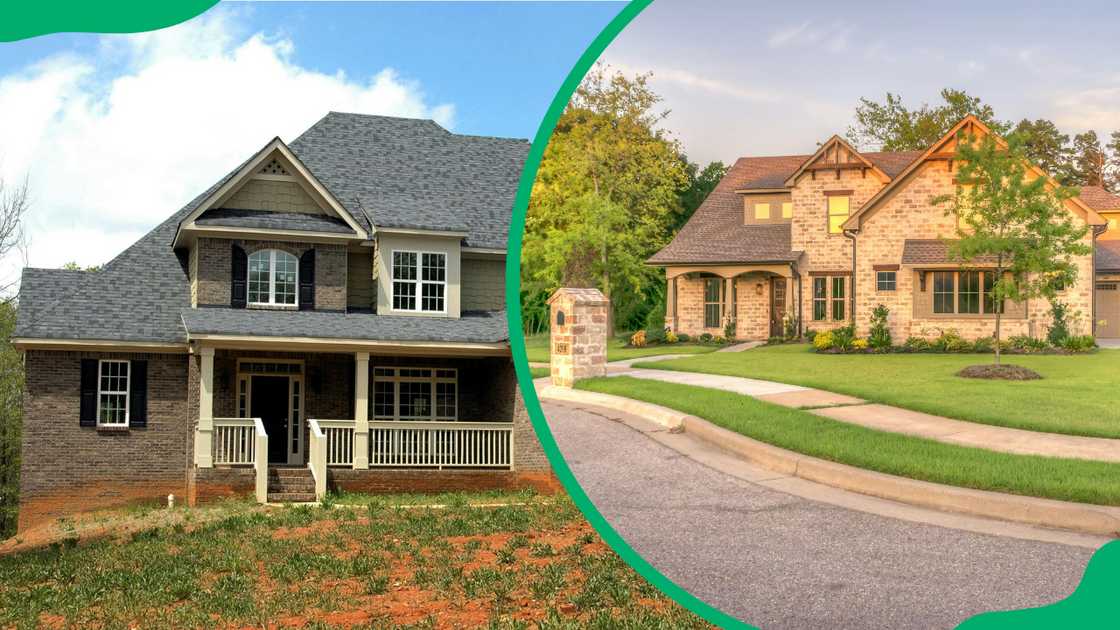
<point x="608" y="189"/>
<point x="14" y="202"/>
<point x="1015" y="218"/>
<point x="892" y="126"/>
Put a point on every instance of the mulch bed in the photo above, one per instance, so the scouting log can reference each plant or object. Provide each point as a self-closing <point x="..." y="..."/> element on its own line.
<point x="1000" y="372"/>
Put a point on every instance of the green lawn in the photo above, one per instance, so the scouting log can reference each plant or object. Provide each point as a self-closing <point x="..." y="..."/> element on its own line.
<point x="891" y="453"/>
<point x="537" y="346"/>
<point x="1079" y="394"/>
<point x="533" y="561"/>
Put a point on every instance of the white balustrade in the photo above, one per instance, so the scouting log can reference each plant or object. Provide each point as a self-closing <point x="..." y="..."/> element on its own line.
<point x="234" y="442"/>
<point x="440" y="444"/>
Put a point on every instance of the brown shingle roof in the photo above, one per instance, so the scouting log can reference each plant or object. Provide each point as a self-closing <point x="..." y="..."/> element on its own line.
<point x="716" y="233"/>
<point x="1099" y="199"/>
<point x="922" y="251"/>
<point x="1106" y="256"/>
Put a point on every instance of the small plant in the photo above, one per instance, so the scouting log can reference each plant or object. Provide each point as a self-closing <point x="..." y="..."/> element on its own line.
<point x="671" y="337"/>
<point x="684" y="337"/>
<point x="916" y="344"/>
<point x="880" y="337"/>
<point x="729" y="328"/>
<point x="823" y="341"/>
<point x="810" y="334"/>
<point x="638" y="339"/>
<point x="655" y="336"/>
<point x="790" y="324"/>
<point x="843" y="337"/>
<point x="1058" y="331"/>
<point x="1079" y="343"/>
<point x="719" y="340"/>
<point x="984" y="345"/>
<point x="1026" y="343"/>
<point x="775" y="341"/>
<point x="859" y="344"/>
<point x="706" y="337"/>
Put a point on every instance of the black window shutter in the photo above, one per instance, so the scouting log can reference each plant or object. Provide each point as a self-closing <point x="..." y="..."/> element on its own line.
<point x="138" y="394"/>
<point x="88" y="414"/>
<point x="307" y="281"/>
<point x="239" y="275"/>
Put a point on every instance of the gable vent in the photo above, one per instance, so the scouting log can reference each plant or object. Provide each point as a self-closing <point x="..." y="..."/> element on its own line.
<point x="273" y="167"/>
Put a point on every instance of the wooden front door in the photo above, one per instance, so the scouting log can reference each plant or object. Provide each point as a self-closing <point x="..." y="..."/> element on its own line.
<point x="777" y="306"/>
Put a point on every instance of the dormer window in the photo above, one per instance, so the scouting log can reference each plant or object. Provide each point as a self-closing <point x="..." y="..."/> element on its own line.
<point x="787" y="209"/>
<point x="419" y="281"/>
<point x="762" y="211"/>
<point x="272" y="278"/>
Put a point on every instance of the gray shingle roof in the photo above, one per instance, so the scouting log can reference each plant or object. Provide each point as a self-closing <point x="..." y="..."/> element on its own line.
<point x="140" y="295"/>
<point x="406" y="173"/>
<point x="476" y="327"/>
<point x="261" y="219"/>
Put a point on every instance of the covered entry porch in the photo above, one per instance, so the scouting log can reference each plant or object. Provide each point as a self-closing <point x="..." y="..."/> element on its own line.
<point x="363" y="410"/>
<point x="757" y="300"/>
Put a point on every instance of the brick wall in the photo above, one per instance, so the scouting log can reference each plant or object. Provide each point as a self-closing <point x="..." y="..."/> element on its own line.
<point x="214" y="259"/>
<point x="67" y="468"/>
<point x="484" y="284"/>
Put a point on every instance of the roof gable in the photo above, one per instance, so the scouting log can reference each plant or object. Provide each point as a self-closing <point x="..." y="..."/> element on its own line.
<point x="835" y="154"/>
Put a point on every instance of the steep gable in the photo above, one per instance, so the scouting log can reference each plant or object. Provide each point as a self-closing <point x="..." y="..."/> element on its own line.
<point x="836" y="155"/>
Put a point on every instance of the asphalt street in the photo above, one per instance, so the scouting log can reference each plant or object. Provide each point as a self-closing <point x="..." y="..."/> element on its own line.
<point x="776" y="560"/>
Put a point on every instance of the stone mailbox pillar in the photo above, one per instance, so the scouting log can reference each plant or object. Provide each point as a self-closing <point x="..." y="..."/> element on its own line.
<point x="579" y="335"/>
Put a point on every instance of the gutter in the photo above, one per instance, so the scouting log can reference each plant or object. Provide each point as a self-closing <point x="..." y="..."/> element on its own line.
<point x="851" y="234"/>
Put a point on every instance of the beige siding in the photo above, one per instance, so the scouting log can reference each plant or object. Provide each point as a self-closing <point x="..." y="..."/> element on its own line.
<point x="277" y="196"/>
<point x="484" y="284"/>
<point x="359" y="280"/>
<point x="775" y="202"/>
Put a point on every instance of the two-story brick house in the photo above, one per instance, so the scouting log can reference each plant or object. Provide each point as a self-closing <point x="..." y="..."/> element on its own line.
<point x="817" y="241"/>
<point x="332" y="308"/>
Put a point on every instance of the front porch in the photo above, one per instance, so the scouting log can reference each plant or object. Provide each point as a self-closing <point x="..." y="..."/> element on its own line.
<point x="755" y="299"/>
<point x="324" y="412"/>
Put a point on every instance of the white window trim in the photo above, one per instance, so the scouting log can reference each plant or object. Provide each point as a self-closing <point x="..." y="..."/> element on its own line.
<point x="127" y="392"/>
<point x="419" y="282"/>
<point x="271" y="278"/>
<point x="396" y="379"/>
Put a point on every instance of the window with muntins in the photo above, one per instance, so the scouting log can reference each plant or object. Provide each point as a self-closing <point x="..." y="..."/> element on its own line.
<point x="420" y="281"/>
<point x="820" y="299"/>
<point x="272" y="277"/>
<point x="886" y="280"/>
<point x="713" y="302"/>
<point x="415" y="394"/>
<point x="828" y="298"/>
<point x="112" y="393"/>
<point x="838" y="286"/>
<point x="963" y="293"/>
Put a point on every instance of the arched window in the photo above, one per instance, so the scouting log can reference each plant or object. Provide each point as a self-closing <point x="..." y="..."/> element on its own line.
<point x="272" y="277"/>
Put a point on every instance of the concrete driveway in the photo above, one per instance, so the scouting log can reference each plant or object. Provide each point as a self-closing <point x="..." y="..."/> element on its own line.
<point x="777" y="560"/>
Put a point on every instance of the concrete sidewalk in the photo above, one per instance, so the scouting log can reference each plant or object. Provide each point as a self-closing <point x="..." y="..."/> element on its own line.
<point x="893" y="419"/>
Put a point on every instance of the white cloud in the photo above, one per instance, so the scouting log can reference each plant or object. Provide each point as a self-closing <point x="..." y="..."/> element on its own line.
<point x="833" y="36"/>
<point x="1095" y="108"/>
<point x="110" y="153"/>
<point x="701" y="82"/>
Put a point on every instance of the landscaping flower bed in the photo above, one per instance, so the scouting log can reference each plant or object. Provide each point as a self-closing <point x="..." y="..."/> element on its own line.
<point x="666" y="337"/>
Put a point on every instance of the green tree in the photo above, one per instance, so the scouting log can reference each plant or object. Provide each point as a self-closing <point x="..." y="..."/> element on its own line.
<point x="609" y="160"/>
<point x="1112" y="171"/>
<point x="892" y="126"/>
<point x="1089" y="160"/>
<point x="1014" y="218"/>
<point x="73" y="266"/>
<point x="11" y="419"/>
<point x="1047" y="147"/>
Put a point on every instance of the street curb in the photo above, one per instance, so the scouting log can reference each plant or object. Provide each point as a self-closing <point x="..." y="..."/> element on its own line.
<point x="1080" y="517"/>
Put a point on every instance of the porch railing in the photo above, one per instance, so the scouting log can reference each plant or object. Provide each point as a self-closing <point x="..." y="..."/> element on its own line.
<point x="440" y="444"/>
<point x="317" y="457"/>
<point x="243" y="441"/>
<point x="340" y="441"/>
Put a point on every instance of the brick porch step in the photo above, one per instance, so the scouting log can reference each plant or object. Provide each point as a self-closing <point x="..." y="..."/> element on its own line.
<point x="291" y="481"/>
<point x="290" y="497"/>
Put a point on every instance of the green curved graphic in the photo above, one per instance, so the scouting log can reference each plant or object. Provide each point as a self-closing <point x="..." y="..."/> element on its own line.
<point x="1092" y="605"/>
<point x="1084" y="609"/>
<point x="42" y="17"/>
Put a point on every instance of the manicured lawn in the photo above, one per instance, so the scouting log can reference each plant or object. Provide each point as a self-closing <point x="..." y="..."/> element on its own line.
<point x="539" y="372"/>
<point x="891" y="453"/>
<point x="537" y="348"/>
<point x="1079" y="394"/>
<point x="531" y="562"/>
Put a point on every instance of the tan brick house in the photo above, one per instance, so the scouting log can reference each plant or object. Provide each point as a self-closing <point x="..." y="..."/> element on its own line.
<point x="817" y="241"/>
<point x="329" y="313"/>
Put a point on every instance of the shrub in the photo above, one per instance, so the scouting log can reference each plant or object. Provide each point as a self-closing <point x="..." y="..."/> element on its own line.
<point x="823" y="341"/>
<point x="810" y="334"/>
<point x="843" y="337"/>
<point x="984" y="344"/>
<point x="671" y="337"/>
<point x="638" y="339"/>
<point x="1059" y="324"/>
<point x="718" y="339"/>
<point x="684" y="337"/>
<point x="859" y="344"/>
<point x="959" y="345"/>
<point x="775" y="341"/>
<point x="790" y="324"/>
<point x="880" y="337"/>
<point x="729" y="329"/>
<point x="705" y="337"/>
<point x="946" y="338"/>
<point x="1079" y="343"/>
<point x="916" y="344"/>
<point x="1026" y="343"/>
<point x="655" y="336"/>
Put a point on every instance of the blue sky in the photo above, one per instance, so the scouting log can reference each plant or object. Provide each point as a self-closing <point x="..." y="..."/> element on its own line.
<point x="116" y="132"/>
<point x="763" y="78"/>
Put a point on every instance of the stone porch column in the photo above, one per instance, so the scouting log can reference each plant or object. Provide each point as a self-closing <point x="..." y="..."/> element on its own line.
<point x="361" y="410"/>
<point x="728" y="304"/>
<point x="204" y="435"/>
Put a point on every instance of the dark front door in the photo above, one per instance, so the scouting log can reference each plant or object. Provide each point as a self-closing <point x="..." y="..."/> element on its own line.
<point x="777" y="306"/>
<point x="270" y="404"/>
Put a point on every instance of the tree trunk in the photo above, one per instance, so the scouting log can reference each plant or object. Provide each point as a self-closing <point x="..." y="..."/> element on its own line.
<point x="999" y="317"/>
<point x="607" y="293"/>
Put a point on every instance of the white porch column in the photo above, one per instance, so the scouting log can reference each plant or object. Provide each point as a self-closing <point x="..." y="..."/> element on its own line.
<point x="204" y="436"/>
<point x="361" y="410"/>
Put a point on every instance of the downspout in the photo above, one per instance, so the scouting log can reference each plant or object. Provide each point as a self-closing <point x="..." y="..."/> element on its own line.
<point x="793" y="271"/>
<point x="851" y="234"/>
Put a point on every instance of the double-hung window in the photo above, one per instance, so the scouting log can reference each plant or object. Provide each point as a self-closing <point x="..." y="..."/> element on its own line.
<point x="112" y="393"/>
<point x="820" y="299"/>
<point x="272" y="277"/>
<point x="886" y="280"/>
<point x="829" y="293"/>
<point x="415" y="393"/>
<point x="420" y="281"/>
<point x="713" y="302"/>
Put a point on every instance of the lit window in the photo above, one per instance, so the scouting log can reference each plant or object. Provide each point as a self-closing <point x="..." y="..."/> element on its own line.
<point x="838" y="206"/>
<point x="272" y="277"/>
<point x="885" y="280"/>
<point x="1114" y="224"/>
<point x="419" y="281"/>
<point x="415" y="394"/>
<point x="762" y="211"/>
<point x="787" y="209"/>
<point x="112" y="393"/>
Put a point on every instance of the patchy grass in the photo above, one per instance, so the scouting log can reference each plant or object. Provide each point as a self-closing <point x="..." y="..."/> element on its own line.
<point x="891" y="453"/>
<point x="1077" y="394"/>
<point x="531" y="562"/>
<point x="537" y="349"/>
